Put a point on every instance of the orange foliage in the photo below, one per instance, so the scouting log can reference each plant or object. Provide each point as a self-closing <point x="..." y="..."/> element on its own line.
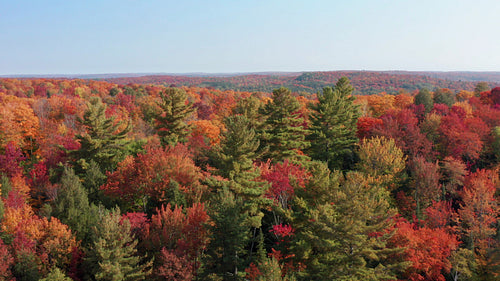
<point x="380" y="104"/>
<point x="403" y="101"/>
<point x="153" y="173"/>
<point x="207" y="128"/>
<point x="427" y="249"/>
<point x="19" y="123"/>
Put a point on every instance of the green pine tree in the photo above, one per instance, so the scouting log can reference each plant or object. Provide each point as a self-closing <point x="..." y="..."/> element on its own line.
<point x="71" y="206"/>
<point x="333" y="126"/>
<point x="26" y="267"/>
<point x="284" y="134"/>
<point x="341" y="229"/>
<point x="229" y="236"/>
<point x="93" y="179"/>
<point x="171" y="123"/>
<point x="234" y="158"/>
<point x="102" y="141"/>
<point x="249" y="107"/>
<point x="113" y="255"/>
<point x="56" y="275"/>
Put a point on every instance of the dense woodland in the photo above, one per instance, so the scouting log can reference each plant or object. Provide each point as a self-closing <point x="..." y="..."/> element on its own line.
<point x="306" y="83"/>
<point x="104" y="181"/>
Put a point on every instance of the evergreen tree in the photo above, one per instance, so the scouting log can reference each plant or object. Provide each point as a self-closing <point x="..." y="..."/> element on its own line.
<point x="56" y="275"/>
<point x="284" y="134"/>
<point x="249" y="107"/>
<point x="342" y="229"/>
<point x="93" y="179"/>
<point x="171" y="123"/>
<point x="424" y="97"/>
<point x="113" y="255"/>
<point x="26" y="267"/>
<point x="333" y="126"/>
<point x="234" y="158"/>
<point x="71" y="206"/>
<point x="103" y="139"/>
<point x="229" y="236"/>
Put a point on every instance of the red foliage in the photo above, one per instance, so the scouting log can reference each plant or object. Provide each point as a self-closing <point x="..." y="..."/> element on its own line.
<point x="6" y="261"/>
<point x="402" y="126"/>
<point x="284" y="178"/>
<point x="439" y="214"/>
<point x="252" y="272"/>
<point x="427" y="249"/>
<point x="195" y="233"/>
<point x="282" y="232"/>
<point x="172" y="267"/>
<point x="457" y="140"/>
<point x="185" y="235"/>
<point x="491" y="97"/>
<point x="42" y="190"/>
<point x="425" y="181"/>
<point x="440" y="109"/>
<point x="10" y="160"/>
<point x="479" y="211"/>
<point x="75" y="270"/>
<point x="152" y="174"/>
<point x="138" y="222"/>
<point x="406" y="204"/>
<point x="366" y="125"/>
<point x="15" y="199"/>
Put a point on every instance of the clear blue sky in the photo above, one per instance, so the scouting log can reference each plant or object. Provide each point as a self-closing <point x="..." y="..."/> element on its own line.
<point x="77" y="37"/>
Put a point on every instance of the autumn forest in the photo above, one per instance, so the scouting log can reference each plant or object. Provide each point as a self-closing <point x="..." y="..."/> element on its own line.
<point x="138" y="180"/>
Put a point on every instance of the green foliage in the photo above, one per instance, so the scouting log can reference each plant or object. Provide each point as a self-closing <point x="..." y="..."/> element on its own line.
<point x="444" y="97"/>
<point x="284" y="132"/>
<point x="92" y="180"/>
<point x="249" y="107"/>
<point x="5" y="186"/>
<point x="171" y="123"/>
<point x="463" y="264"/>
<point x="424" y="97"/>
<point x="113" y="255"/>
<point x="496" y="142"/>
<point x="56" y="275"/>
<point x="229" y="236"/>
<point x="2" y="210"/>
<point x="382" y="159"/>
<point x="271" y="270"/>
<point x="333" y="126"/>
<point x="343" y="235"/>
<point x="26" y="267"/>
<point x="103" y="138"/>
<point x="237" y="148"/>
<point x="481" y="87"/>
<point x="71" y="206"/>
<point x="234" y="158"/>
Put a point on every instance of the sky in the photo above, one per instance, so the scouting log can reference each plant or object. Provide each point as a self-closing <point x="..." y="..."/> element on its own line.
<point x="143" y="36"/>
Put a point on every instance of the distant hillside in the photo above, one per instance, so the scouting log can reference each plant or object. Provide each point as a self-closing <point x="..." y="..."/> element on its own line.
<point x="365" y="82"/>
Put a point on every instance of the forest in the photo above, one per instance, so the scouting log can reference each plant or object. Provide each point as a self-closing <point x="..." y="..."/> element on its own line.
<point x="307" y="83"/>
<point x="103" y="180"/>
